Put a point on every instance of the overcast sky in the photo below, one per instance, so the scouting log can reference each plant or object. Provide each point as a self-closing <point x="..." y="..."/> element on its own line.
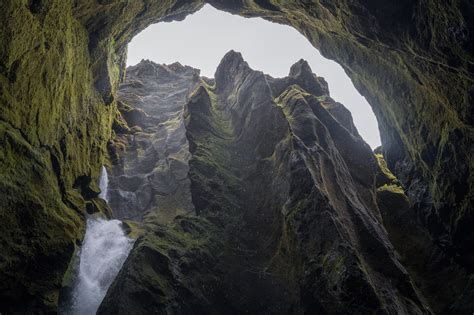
<point x="202" y="39"/>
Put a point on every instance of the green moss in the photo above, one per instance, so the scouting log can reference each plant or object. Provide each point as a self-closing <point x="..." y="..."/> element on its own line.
<point x="384" y="168"/>
<point x="31" y="198"/>
<point x="133" y="229"/>
<point x="396" y="189"/>
<point x="53" y="132"/>
<point x="187" y="242"/>
<point x="69" y="275"/>
<point x="211" y="133"/>
<point x="416" y="76"/>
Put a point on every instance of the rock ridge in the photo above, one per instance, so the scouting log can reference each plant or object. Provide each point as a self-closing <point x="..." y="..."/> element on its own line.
<point x="60" y="67"/>
<point x="286" y="214"/>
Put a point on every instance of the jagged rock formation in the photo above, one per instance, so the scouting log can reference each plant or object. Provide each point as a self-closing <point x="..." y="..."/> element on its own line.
<point x="151" y="173"/>
<point x="442" y="282"/>
<point x="61" y="62"/>
<point x="287" y="220"/>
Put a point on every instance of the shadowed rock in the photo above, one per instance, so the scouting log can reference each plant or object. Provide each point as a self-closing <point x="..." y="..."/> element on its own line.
<point x="287" y="219"/>
<point x="60" y="67"/>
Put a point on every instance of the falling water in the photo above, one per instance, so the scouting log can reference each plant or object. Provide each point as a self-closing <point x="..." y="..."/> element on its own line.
<point x="104" y="250"/>
<point x="103" y="253"/>
<point x="103" y="183"/>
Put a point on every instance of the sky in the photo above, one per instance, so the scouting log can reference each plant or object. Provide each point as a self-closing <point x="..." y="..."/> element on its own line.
<point x="202" y="39"/>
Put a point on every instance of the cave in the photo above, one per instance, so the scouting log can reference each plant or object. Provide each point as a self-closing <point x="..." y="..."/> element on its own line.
<point x="352" y="231"/>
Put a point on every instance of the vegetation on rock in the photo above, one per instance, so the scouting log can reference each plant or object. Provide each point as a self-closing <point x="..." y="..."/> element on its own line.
<point x="60" y="67"/>
<point x="287" y="220"/>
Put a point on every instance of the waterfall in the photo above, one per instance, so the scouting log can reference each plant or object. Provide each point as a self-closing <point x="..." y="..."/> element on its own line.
<point x="103" y="252"/>
<point x="103" y="183"/>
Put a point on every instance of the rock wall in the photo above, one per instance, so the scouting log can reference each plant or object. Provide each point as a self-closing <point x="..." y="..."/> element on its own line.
<point x="150" y="151"/>
<point x="53" y="130"/>
<point x="413" y="61"/>
<point x="61" y="61"/>
<point x="287" y="218"/>
<point x="58" y="104"/>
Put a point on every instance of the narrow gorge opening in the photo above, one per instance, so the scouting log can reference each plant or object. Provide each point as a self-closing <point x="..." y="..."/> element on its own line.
<point x="221" y="143"/>
<point x="246" y="192"/>
<point x="203" y="38"/>
<point x="151" y="157"/>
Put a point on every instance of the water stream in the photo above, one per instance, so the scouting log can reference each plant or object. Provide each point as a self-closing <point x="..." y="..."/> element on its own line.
<point x="103" y="252"/>
<point x="104" y="184"/>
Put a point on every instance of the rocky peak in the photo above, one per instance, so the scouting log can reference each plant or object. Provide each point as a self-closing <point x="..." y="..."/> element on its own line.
<point x="229" y="68"/>
<point x="301" y="75"/>
<point x="149" y="70"/>
<point x="301" y="67"/>
<point x="231" y="59"/>
<point x="158" y="88"/>
<point x="234" y="80"/>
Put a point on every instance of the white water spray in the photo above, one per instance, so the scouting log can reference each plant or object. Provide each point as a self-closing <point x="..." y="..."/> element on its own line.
<point x="103" y="253"/>
<point x="104" y="250"/>
<point x="103" y="183"/>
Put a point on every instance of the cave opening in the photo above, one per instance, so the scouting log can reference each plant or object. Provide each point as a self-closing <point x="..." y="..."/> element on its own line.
<point x="163" y="64"/>
<point x="60" y="70"/>
<point x="237" y="142"/>
<point x="203" y="38"/>
<point x="167" y="65"/>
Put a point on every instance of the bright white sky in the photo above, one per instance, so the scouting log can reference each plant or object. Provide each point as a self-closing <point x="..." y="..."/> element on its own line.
<point x="202" y="39"/>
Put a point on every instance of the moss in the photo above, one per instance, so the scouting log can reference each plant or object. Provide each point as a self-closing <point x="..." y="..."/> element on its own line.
<point x="396" y="189"/>
<point x="53" y="132"/>
<point x="334" y="267"/>
<point x="133" y="229"/>
<point x="210" y="133"/>
<point x="70" y="274"/>
<point x="384" y="168"/>
<point x="162" y="262"/>
<point x="416" y="73"/>
<point x="34" y="200"/>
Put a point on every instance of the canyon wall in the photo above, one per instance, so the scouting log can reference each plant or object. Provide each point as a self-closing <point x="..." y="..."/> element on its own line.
<point x="60" y="66"/>
<point x="286" y="220"/>
<point x="150" y="149"/>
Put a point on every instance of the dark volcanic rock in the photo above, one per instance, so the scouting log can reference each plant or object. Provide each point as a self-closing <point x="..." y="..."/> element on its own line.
<point x="447" y="287"/>
<point x="152" y="167"/>
<point x="287" y="215"/>
<point x="60" y="67"/>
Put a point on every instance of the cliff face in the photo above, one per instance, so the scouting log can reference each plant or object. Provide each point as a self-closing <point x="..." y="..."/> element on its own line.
<point x="287" y="219"/>
<point x="57" y="103"/>
<point x="53" y="129"/>
<point x="60" y="66"/>
<point x="150" y="150"/>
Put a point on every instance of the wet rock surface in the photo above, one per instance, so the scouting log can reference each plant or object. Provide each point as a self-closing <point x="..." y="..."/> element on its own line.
<point x="151" y="157"/>
<point x="60" y="67"/>
<point x="286" y="213"/>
